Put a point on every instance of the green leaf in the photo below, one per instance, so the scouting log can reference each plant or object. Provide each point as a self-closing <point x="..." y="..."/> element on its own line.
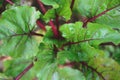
<point x="44" y="68"/>
<point x="62" y="8"/>
<point x="107" y="67"/>
<point x="91" y="8"/>
<point x="51" y="72"/>
<point x="50" y="14"/>
<point x="50" y="2"/>
<point x="88" y="52"/>
<point x="64" y="56"/>
<point x="45" y="55"/>
<point x="116" y="54"/>
<point x="15" y="32"/>
<point x="95" y="33"/>
<point x="50" y="40"/>
<point x="11" y="67"/>
<point x="47" y="72"/>
<point x="111" y="18"/>
<point x="67" y="73"/>
<point x="73" y="31"/>
<point x="4" y="77"/>
<point x="103" y="33"/>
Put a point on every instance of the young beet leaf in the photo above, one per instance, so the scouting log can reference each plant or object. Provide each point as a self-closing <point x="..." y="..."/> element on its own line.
<point x="60" y="39"/>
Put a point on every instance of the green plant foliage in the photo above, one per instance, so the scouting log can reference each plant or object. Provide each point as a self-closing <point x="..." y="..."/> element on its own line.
<point x="10" y="66"/>
<point x="3" y="77"/>
<point x="86" y="48"/>
<point x="15" y="29"/>
<point x="96" y="32"/>
<point x="72" y="74"/>
<point x="111" y="18"/>
<point x="50" y="14"/>
<point x="61" y="8"/>
<point x="51" y="2"/>
<point x="90" y="8"/>
<point x="94" y="7"/>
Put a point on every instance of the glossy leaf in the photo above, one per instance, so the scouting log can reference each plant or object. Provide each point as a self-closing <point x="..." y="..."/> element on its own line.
<point x="77" y="53"/>
<point x="103" y="33"/>
<point x="15" y="32"/>
<point x="91" y="8"/>
<point x="111" y="18"/>
<point x="49" y="38"/>
<point x="73" y="32"/>
<point x="11" y="67"/>
<point x="66" y="56"/>
<point x="50" y="2"/>
<point x="107" y="67"/>
<point x="67" y="73"/>
<point x="50" y="14"/>
<point x="61" y="8"/>
<point x="47" y="72"/>
<point x="95" y="33"/>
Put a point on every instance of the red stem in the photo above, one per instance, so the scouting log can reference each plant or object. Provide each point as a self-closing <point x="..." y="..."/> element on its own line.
<point x="72" y="4"/>
<point x="102" y="13"/>
<point x="41" y="6"/>
<point x="68" y="64"/>
<point x="42" y="26"/>
<point x="10" y="2"/>
<point x="71" y="43"/>
<point x="57" y="23"/>
<point x="97" y="16"/>
<point x="54" y="29"/>
<point x="72" y="64"/>
<point x="24" y="71"/>
<point x="99" y="74"/>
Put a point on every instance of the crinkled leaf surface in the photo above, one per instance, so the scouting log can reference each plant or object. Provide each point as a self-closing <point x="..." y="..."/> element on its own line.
<point x="51" y="72"/>
<point x="96" y="59"/>
<point x="95" y="33"/>
<point x="62" y="8"/>
<point x="17" y="22"/>
<point x="103" y="33"/>
<point x="65" y="56"/>
<point x="49" y="39"/>
<point x="111" y="18"/>
<point x="73" y="32"/>
<point x="11" y="68"/>
<point x="47" y="67"/>
<point x="107" y="67"/>
<point x="67" y="73"/>
<point x="15" y="26"/>
<point x="50" y="14"/>
<point x="90" y="8"/>
<point x="50" y="2"/>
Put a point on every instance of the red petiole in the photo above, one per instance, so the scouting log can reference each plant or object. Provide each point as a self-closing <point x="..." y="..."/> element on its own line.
<point x="54" y="29"/>
<point x="10" y="2"/>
